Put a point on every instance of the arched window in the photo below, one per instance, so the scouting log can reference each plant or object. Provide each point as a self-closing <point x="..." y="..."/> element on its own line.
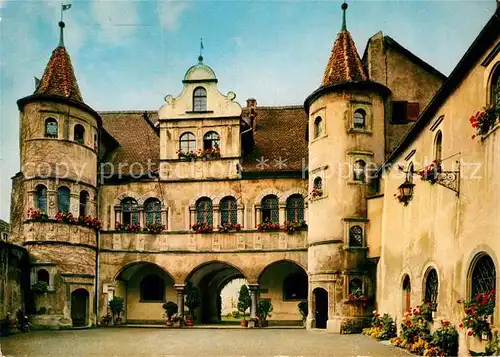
<point x="204" y="211"/>
<point x="483" y="276"/>
<point x="51" y="129"/>
<point x="63" y="195"/>
<point x="295" y="208"/>
<point x="295" y="286"/>
<point x="200" y="100"/>
<point x="42" y="275"/>
<point x="359" y="171"/>
<point x="431" y="287"/>
<point x="411" y="170"/>
<point x="318" y="183"/>
<point x="495" y="88"/>
<point x="355" y="286"/>
<point x="41" y="198"/>
<point x="406" y="293"/>
<point x="130" y="215"/>
<point x="153" y="211"/>
<point x="152" y="288"/>
<point x="359" y="119"/>
<point x="318" y="127"/>
<point x="211" y="140"/>
<point x="79" y="134"/>
<point x="187" y="142"/>
<point x="228" y="210"/>
<point x="355" y="236"/>
<point x="95" y="141"/>
<point x="84" y="201"/>
<point x="270" y="210"/>
<point x="438" y="146"/>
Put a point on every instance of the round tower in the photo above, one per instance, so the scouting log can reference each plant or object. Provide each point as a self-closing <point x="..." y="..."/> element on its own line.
<point x="346" y="141"/>
<point x="59" y="136"/>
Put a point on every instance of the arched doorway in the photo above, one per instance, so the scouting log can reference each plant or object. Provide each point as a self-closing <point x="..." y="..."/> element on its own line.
<point x="320" y="307"/>
<point x="80" y="307"/>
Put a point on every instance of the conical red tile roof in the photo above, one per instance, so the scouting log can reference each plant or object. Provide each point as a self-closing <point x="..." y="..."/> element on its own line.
<point x="344" y="64"/>
<point x="59" y="78"/>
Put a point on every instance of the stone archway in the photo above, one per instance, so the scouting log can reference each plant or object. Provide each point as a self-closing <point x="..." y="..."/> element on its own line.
<point x="80" y="307"/>
<point x="320" y="305"/>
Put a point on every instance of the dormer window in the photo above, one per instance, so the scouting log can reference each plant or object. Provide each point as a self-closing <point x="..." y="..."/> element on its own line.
<point x="79" y="134"/>
<point x="51" y="130"/>
<point x="200" y="100"/>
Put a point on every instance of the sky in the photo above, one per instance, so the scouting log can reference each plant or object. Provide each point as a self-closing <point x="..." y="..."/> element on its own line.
<point x="128" y="55"/>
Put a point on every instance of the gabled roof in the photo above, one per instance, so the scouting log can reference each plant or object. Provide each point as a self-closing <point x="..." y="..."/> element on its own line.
<point x="4" y="226"/>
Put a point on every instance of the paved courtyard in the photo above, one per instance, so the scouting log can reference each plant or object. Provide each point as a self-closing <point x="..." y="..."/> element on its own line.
<point x="191" y="342"/>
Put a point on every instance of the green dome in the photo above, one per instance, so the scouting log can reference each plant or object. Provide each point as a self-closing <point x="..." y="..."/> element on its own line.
<point x="199" y="72"/>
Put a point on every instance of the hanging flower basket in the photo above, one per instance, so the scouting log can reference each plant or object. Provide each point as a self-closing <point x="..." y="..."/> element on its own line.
<point x="430" y="172"/>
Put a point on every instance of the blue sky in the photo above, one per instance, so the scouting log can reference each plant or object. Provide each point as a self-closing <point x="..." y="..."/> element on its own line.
<point x="130" y="54"/>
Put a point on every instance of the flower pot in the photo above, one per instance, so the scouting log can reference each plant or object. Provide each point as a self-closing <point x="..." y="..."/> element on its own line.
<point x="244" y="323"/>
<point x="118" y="321"/>
<point x="189" y="323"/>
<point x="169" y="323"/>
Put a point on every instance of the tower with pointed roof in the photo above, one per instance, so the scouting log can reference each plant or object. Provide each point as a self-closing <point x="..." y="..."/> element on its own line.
<point x="58" y="178"/>
<point x="346" y="136"/>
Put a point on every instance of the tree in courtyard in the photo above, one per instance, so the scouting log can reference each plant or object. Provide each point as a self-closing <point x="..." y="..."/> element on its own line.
<point x="244" y="300"/>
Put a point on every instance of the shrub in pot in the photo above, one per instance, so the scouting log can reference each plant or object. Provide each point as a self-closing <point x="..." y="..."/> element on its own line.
<point x="264" y="310"/>
<point x="244" y="302"/>
<point x="193" y="301"/>
<point x="116" y="307"/>
<point x="171" y="309"/>
<point x="303" y="310"/>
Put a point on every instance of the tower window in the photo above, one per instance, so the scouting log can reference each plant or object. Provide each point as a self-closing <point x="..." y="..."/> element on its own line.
<point x="318" y="183"/>
<point x="41" y="198"/>
<point x="200" y="100"/>
<point x="63" y="194"/>
<point x="355" y="286"/>
<point x="228" y="210"/>
<point x="495" y="88"/>
<point x="130" y="214"/>
<point x="359" y="171"/>
<point x="153" y="211"/>
<point x="51" y="129"/>
<point x="79" y="134"/>
<point x="270" y="210"/>
<point x="318" y="127"/>
<point x="42" y="275"/>
<point x="295" y="208"/>
<point x="359" y="119"/>
<point x="211" y="140"/>
<point x="438" y="146"/>
<point x="84" y="201"/>
<point x="356" y="236"/>
<point x="204" y="211"/>
<point x="187" y="142"/>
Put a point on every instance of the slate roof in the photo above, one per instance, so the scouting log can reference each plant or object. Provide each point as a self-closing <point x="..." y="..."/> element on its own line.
<point x="59" y="77"/>
<point x="4" y="226"/>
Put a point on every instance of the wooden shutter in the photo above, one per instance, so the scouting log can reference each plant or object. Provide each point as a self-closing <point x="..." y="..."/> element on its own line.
<point x="413" y="111"/>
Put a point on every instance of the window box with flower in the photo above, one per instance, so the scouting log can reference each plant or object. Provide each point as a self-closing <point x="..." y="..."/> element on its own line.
<point x="484" y="120"/>
<point x="129" y="228"/>
<point x="154" y="228"/>
<point x="316" y="192"/>
<point x="292" y="227"/>
<point x="357" y="298"/>
<point x="430" y="172"/>
<point x="229" y="227"/>
<point x="37" y="215"/>
<point x="209" y="154"/>
<point x="202" y="227"/>
<point x="268" y="226"/>
<point x="188" y="155"/>
<point x="64" y="217"/>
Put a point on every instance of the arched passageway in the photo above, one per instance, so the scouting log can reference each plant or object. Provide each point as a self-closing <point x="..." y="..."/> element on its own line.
<point x="320" y="305"/>
<point x="80" y="307"/>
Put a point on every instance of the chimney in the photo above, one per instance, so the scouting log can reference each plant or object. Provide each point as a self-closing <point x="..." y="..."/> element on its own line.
<point x="252" y="106"/>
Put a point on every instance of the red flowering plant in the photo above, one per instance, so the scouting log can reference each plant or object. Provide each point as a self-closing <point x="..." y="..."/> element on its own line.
<point x="129" y="228"/>
<point x="415" y="326"/>
<point x="477" y="313"/>
<point x="357" y="297"/>
<point x="89" y="221"/>
<point x="431" y="171"/>
<point x="37" y="215"/>
<point x="188" y="155"/>
<point x="484" y="120"/>
<point x="227" y="227"/>
<point x="291" y="227"/>
<point x="65" y="217"/>
<point x="210" y="153"/>
<point x="202" y="227"/>
<point x="444" y="341"/>
<point x="154" y="228"/>
<point x="316" y="192"/>
<point x="267" y="225"/>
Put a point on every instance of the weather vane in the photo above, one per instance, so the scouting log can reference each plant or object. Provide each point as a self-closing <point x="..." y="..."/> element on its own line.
<point x="200" y="58"/>
<point x="64" y="7"/>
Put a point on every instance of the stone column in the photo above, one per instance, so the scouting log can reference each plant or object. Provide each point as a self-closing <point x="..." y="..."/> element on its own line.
<point x="257" y="215"/>
<point x="240" y="216"/>
<point x="74" y="204"/>
<point x="142" y="219"/>
<point x="180" y="298"/>
<point x="253" y="306"/>
<point x="282" y="212"/>
<point x="216" y="216"/>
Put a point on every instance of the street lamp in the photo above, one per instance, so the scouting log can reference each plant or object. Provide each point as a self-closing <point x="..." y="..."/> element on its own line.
<point x="405" y="192"/>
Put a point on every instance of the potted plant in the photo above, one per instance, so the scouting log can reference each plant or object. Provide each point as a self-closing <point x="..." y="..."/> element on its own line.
<point x="267" y="225"/>
<point x="171" y="309"/>
<point x="303" y="309"/>
<point x="40" y="287"/>
<point x="193" y="300"/>
<point x="177" y="320"/>
<point x="106" y="319"/>
<point x="264" y="310"/>
<point x="116" y="307"/>
<point x="244" y="302"/>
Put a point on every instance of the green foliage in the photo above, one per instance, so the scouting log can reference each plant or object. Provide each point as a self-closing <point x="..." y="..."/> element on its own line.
<point x="264" y="309"/>
<point x="116" y="306"/>
<point x="40" y="287"/>
<point x="446" y="338"/>
<point x="351" y="326"/>
<point x="493" y="346"/>
<point x="235" y="314"/>
<point x="477" y="312"/>
<point x="303" y="309"/>
<point x="244" y="300"/>
<point x="193" y="298"/>
<point x="382" y="327"/>
<point x="170" y="308"/>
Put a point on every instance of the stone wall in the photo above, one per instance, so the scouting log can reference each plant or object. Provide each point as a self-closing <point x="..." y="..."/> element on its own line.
<point x="14" y="279"/>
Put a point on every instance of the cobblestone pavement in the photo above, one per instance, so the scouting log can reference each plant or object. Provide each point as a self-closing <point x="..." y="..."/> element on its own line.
<point x="192" y="342"/>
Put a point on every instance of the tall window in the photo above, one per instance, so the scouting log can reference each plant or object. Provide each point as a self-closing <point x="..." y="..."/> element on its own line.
<point x="51" y="130"/>
<point x="295" y="286"/>
<point x="187" y="142"/>
<point x="495" y="88"/>
<point x="318" y="127"/>
<point x="200" y="100"/>
<point x="432" y="287"/>
<point x="270" y="209"/>
<point x="228" y="210"/>
<point x="359" y="119"/>
<point x="152" y="288"/>
<point x="406" y="293"/>
<point x="411" y="170"/>
<point x="295" y="208"/>
<point x="359" y="171"/>
<point x="153" y="211"/>
<point x="355" y="286"/>
<point x="204" y="211"/>
<point x="211" y="140"/>
<point x="63" y="199"/>
<point x="438" y="146"/>
<point x="42" y="275"/>
<point x="130" y="214"/>
<point x="79" y="134"/>
<point x="356" y="236"/>
<point x="318" y="183"/>
<point x="483" y="277"/>
<point x="84" y="201"/>
<point x="41" y="198"/>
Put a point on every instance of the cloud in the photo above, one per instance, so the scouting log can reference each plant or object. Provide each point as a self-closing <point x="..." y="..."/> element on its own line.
<point x="169" y="13"/>
<point x="117" y="19"/>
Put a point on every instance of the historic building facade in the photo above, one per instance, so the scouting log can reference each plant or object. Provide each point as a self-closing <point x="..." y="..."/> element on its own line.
<point x="202" y="191"/>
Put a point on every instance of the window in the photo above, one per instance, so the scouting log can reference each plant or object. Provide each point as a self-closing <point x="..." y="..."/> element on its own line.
<point x="152" y="288"/>
<point x="41" y="198"/>
<point x="51" y="130"/>
<point x="359" y="171"/>
<point x="483" y="275"/>
<point x="84" y="201"/>
<point x="270" y="210"/>
<point x="211" y="140"/>
<point x="359" y="119"/>
<point x="355" y="236"/>
<point x="318" y="183"/>
<point x="406" y="293"/>
<point x="63" y="199"/>
<point x="295" y="208"/>
<point x="187" y="142"/>
<point x="130" y="215"/>
<point x="411" y="170"/>
<point x="495" y="88"/>
<point x="153" y="211"/>
<point x="431" y="287"/>
<point x="355" y="286"/>
<point x="228" y="210"/>
<point x="295" y="286"/>
<point x="42" y="275"/>
<point x="200" y="100"/>
<point x="204" y="211"/>
<point x="318" y="127"/>
<point x="438" y="146"/>
<point x="403" y="112"/>
<point x="95" y="141"/>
